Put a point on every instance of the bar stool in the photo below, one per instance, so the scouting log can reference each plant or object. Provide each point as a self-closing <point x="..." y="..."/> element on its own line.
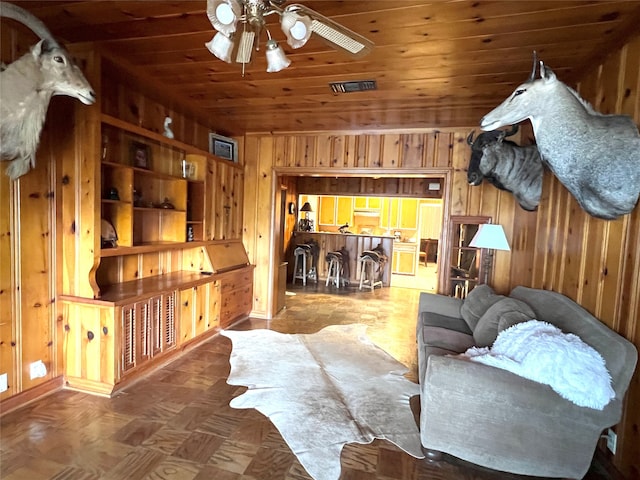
<point x="302" y="254"/>
<point x="368" y="266"/>
<point x="335" y="273"/>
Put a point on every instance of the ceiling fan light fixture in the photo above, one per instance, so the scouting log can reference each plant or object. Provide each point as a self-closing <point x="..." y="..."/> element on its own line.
<point x="224" y="14"/>
<point x="221" y="46"/>
<point x="276" y="59"/>
<point x="296" y="27"/>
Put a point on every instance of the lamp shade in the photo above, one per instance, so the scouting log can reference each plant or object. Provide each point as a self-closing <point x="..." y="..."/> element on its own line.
<point x="223" y="14"/>
<point x="296" y="27"/>
<point x="306" y="207"/>
<point x="490" y="236"/>
<point x="276" y="59"/>
<point x="221" y="46"/>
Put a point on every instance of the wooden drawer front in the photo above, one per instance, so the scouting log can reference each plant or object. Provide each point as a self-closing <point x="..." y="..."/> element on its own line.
<point x="235" y="304"/>
<point x="235" y="280"/>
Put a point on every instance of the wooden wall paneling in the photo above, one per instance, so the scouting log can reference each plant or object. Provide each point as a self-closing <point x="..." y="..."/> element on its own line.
<point x="390" y="151"/>
<point x="505" y="213"/>
<point x="36" y="283"/>
<point x="350" y="151"/>
<point x="7" y="291"/>
<point x="132" y="268"/>
<point x="612" y="284"/>
<point x="324" y="148"/>
<point x="338" y="152"/>
<point x="459" y="185"/>
<point x="209" y="199"/>
<point x="413" y="145"/>
<point x="374" y="151"/>
<point x="430" y="141"/>
<point x="592" y="252"/>
<point x="305" y="151"/>
<point x="630" y="98"/>
<point x="574" y="240"/>
<point x="523" y="243"/>
<point x="444" y="148"/>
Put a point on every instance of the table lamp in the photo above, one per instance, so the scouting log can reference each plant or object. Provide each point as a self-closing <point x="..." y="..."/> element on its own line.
<point x="490" y="237"/>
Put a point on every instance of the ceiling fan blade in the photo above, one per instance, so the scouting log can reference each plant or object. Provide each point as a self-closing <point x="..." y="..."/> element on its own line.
<point x="333" y="33"/>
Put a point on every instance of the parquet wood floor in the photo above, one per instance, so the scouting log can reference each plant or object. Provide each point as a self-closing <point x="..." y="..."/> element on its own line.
<point x="176" y="424"/>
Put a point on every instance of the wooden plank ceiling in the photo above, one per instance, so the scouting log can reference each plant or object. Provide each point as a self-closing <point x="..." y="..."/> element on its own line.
<point x="436" y="64"/>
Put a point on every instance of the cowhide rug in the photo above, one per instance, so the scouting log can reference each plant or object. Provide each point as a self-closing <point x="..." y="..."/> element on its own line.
<point x="324" y="390"/>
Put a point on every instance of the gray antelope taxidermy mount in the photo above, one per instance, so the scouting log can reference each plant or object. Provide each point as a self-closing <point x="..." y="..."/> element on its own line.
<point x="595" y="156"/>
<point x="506" y="165"/>
<point x="26" y="87"/>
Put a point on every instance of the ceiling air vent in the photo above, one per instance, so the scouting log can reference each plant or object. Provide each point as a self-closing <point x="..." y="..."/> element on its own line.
<point x="348" y="87"/>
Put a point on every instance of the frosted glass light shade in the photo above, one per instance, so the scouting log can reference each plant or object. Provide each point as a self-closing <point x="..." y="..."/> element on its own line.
<point x="276" y="59"/>
<point x="490" y="236"/>
<point x="296" y="27"/>
<point x="223" y="15"/>
<point x="221" y="46"/>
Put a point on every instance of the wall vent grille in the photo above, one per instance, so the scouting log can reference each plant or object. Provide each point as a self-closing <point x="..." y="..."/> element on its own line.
<point x="349" y="87"/>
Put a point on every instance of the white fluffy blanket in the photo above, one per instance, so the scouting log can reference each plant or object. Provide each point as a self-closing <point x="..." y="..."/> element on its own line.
<point x="540" y="352"/>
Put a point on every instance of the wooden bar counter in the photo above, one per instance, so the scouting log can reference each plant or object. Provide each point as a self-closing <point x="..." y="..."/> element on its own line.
<point x="355" y="245"/>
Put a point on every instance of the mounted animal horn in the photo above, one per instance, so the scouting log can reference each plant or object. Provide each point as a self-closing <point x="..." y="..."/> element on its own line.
<point x="470" y="137"/>
<point x="513" y="131"/>
<point x="532" y="77"/>
<point x="19" y="14"/>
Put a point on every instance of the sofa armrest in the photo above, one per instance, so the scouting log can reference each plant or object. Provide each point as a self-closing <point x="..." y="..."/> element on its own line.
<point x="495" y="418"/>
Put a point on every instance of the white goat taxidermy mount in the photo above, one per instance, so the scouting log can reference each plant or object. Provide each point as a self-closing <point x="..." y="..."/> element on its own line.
<point x="26" y="87"/>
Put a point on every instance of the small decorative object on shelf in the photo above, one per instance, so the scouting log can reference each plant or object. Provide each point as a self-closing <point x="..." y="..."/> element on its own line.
<point x="137" y="198"/>
<point x="140" y="155"/>
<point x="113" y="194"/>
<point x="190" y="236"/>
<point x="166" y="204"/>
<point x="108" y="235"/>
<point x="167" y="127"/>
<point x="188" y="169"/>
<point x="223" y="147"/>
<point x="105" y="146"/>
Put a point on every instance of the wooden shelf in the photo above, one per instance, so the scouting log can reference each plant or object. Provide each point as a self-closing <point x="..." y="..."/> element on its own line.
<point x="158" y="209"/>
<point x="150" y="247"/>
<point x="143" y="132"/>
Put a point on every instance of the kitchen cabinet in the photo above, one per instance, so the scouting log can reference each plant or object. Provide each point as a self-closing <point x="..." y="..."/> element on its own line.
<point x="400" y="213"/>
<point x="404" y="258"/>
<point x="367" y="203"/>
<point x="327" y="210"/>
<point x="344" y="212"/>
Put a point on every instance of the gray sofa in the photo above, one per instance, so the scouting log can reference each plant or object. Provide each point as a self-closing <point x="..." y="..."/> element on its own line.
<point x="494" y="418"/>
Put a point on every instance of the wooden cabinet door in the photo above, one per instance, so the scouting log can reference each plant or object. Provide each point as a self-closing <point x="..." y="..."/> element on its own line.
<point x="394" y="219"/>
<point x="408" y="213"/>
<point x="404" y="262"/>
<point x="169" y="321"/>
<point x="374" y="203"/>
<point x="327" y="210"/>
<point x="345" y="211"/>
<point x="213" y="304"/>
<point x="186" y="315"/>
<point x="156" y="307"/>
<point x="129" y="338"/>
<point x="200" y="309"/>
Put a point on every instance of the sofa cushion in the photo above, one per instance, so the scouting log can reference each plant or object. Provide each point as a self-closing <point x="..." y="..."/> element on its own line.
<point x="431" y="319"/>
<point x="439" y="337"/>
<point x="500" y="316"/>
<point x="477" y="303"/>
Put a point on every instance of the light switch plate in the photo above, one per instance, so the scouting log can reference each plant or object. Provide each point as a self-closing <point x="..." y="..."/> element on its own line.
<point x="3" y="382"/>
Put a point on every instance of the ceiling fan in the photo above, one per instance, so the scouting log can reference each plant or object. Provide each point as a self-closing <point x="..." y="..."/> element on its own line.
<point x="240" y="22"/>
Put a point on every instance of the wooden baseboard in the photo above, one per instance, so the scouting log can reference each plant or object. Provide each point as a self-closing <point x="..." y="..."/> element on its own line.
<point x="29" y="396"/>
